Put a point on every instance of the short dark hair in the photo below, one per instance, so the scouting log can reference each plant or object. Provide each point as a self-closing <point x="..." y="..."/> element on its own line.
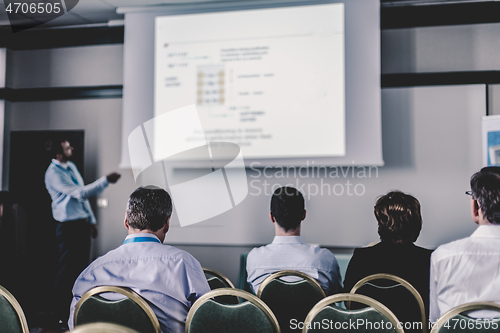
<point x="53" y="146"/>
<point x="399" y="218"/>
<point x="287" y="207"/>
<point x="485" y="187"/>
<point x="149" y="208"/>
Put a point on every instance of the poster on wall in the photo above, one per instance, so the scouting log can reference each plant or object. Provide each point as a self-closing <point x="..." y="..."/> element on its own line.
<point x="491" y="140"/>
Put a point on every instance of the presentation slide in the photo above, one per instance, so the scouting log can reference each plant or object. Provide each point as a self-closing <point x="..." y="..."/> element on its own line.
<point x="269" y="80"/>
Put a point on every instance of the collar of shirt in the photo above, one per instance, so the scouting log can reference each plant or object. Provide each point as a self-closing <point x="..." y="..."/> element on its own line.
<point x="142" y="235"/>
<point x="63" y="165"/>
<point x="487" y="231"/>
<point x="288" y="240"/>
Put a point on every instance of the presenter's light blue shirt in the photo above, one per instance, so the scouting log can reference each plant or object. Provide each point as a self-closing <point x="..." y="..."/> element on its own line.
<point x="290" y="252"/>
<point x="68" y="192"/>
<point x="170" y="279"/>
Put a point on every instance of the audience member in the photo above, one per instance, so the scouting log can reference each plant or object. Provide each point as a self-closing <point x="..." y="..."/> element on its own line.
<point x="399" y="224"/>
<point x="169" y="278"/>
<point x="288" y="250"/>
<point x="467" y="270"/>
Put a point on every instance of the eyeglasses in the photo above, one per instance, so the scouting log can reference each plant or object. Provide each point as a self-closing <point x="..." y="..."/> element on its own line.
<point x="469" y="193"/>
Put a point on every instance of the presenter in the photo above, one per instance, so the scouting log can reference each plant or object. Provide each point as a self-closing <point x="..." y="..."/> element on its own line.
<point x="75" y="220"/>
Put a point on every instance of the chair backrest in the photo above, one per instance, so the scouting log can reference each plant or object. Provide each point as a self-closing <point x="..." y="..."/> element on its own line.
<point x="216" y="280"/>
<point x="12" y="317"/>
<point x="290" y="300"/>
<point x="102" y="328"/>
<point x="398" y="295"/>
<point x="132" y="311"/>
<point x="243" y="274"/>
<point x="207" y="315"/>
<point x="456" y="321"/>
<point x="327" y="317"/>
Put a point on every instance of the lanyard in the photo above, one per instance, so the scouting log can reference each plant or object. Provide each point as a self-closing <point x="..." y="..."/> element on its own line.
<point x="141" y="240"/>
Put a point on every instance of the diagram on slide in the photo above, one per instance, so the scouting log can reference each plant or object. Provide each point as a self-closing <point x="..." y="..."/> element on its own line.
<point x="210" y="85"/>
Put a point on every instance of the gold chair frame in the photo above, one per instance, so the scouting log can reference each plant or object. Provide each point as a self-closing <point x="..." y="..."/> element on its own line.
<point x="353" y="298"/>
<point x="232" y="292"/>
<point x="135" y="297"/>
<point x="102" y="328"/>
<point x="401" y="281"/>
<point x="464" y="308"/>
<point x="219" y="275"/>
<point x="17" y="308"/>
<point x="288" y="272"/>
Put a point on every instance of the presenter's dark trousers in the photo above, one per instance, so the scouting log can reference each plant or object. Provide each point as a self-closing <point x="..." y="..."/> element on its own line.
<point x="73" y="239"/>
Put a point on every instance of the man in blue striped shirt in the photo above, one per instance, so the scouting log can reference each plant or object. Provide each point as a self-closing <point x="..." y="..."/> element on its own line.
<point x="75" y="220"/>
<point x="170" y="279"/>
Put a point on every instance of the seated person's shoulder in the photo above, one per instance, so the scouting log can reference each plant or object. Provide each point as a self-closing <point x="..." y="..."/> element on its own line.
<point x="261" y="250"/>
<point x="165" y="253"/>
<point x="256" y="254"/>
<point x="449" y="249"/>
<point x="179" y="254"/>
<point x="423" y="251"/>
<point x="368" y="250"/>
<point x="325" y="254"/>
<point x="376" y="249"/>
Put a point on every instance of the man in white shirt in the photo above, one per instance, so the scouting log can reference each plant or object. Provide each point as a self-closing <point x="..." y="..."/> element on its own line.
<point x="171" y="280"/>
<point x="468" y="270"/>
<point x="288" y="250"/>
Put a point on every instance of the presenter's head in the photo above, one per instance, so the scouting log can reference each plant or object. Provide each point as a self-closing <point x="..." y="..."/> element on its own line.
<point x="485" y="196"/>
<point x="149" y="209"/>
<point x="59" y="149"/>
<point x="399" y="218"/>
<point x="287" y="211"/>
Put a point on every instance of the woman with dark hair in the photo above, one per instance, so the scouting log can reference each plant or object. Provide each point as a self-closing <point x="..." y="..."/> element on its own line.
<point x="399" y="224"/>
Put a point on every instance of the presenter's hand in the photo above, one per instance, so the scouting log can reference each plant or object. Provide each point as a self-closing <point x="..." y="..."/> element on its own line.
<point x="93" y="230"/>
<point x="113" y="177"/>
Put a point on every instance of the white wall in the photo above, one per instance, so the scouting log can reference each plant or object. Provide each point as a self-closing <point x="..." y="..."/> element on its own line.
<point x="65" y="67"/>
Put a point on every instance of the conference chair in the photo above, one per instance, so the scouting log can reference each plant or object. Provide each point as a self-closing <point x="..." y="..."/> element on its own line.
<point x="207" y="315"/>
<point x="12" y="317"/>
<point x="243" y="275"/>
<point x="102" y="328"/>
<point x="328" y="317"/>
<point x="455" y="320"/>
<point x="216" y="280"/>
<point x="290" y="300"/>
<point x="131" y="310"/>
<point x="396" y="294"/>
